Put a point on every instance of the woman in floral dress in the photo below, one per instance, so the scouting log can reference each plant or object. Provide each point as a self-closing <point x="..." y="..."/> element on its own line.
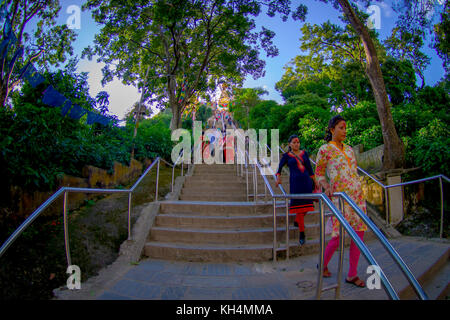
<point x="337" y="161"/>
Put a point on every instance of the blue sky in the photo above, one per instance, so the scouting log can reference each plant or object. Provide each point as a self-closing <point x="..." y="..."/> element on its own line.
<point x="287" y="40"/>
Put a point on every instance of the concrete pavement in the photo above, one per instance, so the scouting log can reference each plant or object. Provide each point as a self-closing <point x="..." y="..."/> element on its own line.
<point x="294" y="279"/>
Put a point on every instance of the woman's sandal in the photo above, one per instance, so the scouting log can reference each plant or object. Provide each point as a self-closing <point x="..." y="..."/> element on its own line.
<point x="356" y="281"/>
<point x="326" y="273"/>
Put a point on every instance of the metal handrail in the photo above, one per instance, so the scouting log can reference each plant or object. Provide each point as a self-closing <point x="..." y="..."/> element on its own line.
<point x="65" y="191"/>
<point x="386" y="187"/>
<point x="175" y="164"/>
<point x="323" y="199"/>
<point x="248" y="157"/>
<point x="393" y="253"/>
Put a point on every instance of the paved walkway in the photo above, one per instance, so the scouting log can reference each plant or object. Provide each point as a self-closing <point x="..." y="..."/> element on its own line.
<point x="283" y="280"/>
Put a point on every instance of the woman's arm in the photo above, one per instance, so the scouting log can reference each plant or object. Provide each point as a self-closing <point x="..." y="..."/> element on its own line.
<point x="283" y="161"/>
<point x="321" y="169"/>
<point x="310" y="170"/>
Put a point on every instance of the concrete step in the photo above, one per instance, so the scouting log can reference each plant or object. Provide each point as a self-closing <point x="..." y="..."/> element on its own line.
<point x="237" y="235"/>
<point x="214" y="208"/>
<point x="190" y="220"/>
<point x="217" y="196"/>
<point x="216" y="169"/>
<point x="437" y="286"/>
<point x="216" y="189"/>
<point x="216" y="178"/>
<point x="427" y="260"/>
<point x="228" y="252"/>
<point x="434" y="278"/>
<point x="225" y="184"/>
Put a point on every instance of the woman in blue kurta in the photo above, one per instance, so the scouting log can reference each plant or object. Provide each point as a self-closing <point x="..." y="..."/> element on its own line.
<point x="301" y="179"/>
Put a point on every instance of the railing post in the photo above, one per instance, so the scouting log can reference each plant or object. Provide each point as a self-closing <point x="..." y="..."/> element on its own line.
<point x="274" y="230"/>
<point x="255" y="179"/>
<point x="129" y="215"/>
<point x="321" y="249"/>
<point x="287" y="228"/>
<point x="265" y="192"/>
<point x="246" y="179"/>
<point x="173" y="171"/>
<point x="386" y="197"/>
<point x="157" y="179"/>
<point x="441" y="231"/>
<point x="66" y="231"/>
<point x="341" y="251"/>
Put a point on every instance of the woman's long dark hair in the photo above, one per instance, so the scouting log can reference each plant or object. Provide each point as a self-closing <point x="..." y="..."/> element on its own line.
<point x="331" y="125"/>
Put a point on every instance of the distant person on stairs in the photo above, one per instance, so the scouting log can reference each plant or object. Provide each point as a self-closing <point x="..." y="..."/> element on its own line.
<point x="301" y="179"/>
<point x="337" y="161"/>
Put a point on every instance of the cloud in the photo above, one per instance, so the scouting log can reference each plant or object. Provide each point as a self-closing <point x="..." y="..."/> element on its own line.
<point x="386" y="9"/>
<point x="121" y="97"/>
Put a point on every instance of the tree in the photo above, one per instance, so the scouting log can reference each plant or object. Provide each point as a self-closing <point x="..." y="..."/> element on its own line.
<point x="441" y="42"/>
<point x="336" y="60"/>
<point x="203" y="114"/>
<point x="188" y="44"/>
<point x="394" y="151"/>
<point x="244" y="100"/>
<point x="47" y="46"/>
<point x="102" y="101"/>
<point x="404" y="45"/>
<point x="419" y="17"/>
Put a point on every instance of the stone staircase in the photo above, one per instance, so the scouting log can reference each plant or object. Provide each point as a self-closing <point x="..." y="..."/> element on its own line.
<point x="212" y="221"/>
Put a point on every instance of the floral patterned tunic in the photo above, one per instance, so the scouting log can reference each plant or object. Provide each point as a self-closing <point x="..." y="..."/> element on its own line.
<point x="341" y="169"/>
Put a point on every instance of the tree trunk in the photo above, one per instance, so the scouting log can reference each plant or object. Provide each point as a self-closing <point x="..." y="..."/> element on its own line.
<point x="175" y="123"/>
<point x="3" y="95"/>
<point x="394" y="151"/>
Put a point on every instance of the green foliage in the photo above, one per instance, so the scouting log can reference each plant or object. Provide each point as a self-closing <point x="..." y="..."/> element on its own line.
<point x="311" y="127"/>
<point x="259" y="118"/>
<point x="244" y="100"/>
<point x="153" y="139"/>
<point x="38" y="145"/>
<point x="363" y="125"/>
<point x="399" y="79"/>
<point x="429" y="148"/>
<point x="39" y="39"/>
<point x="203" y="114"/>
<point x="200" y="42"/>
<point x="405" y="46"/>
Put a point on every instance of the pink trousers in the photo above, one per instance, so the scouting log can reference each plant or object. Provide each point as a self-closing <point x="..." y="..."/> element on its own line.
<point x="354" y="253"/>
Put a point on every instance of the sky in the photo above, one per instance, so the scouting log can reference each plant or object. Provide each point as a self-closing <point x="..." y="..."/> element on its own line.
<point x="287" y="37"/>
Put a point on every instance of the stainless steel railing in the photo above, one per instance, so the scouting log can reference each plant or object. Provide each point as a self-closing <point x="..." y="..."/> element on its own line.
<point x="324" y="200"/>
<point x="343" y="225"/>
<point x="386" y="187"/>
<point x="65" y="191"/>
<point x="393" y="253"/>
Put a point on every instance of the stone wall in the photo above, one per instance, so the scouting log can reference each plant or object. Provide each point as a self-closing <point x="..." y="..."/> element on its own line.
<point x="92" y="177"/>
<point x="371" y="160"/>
